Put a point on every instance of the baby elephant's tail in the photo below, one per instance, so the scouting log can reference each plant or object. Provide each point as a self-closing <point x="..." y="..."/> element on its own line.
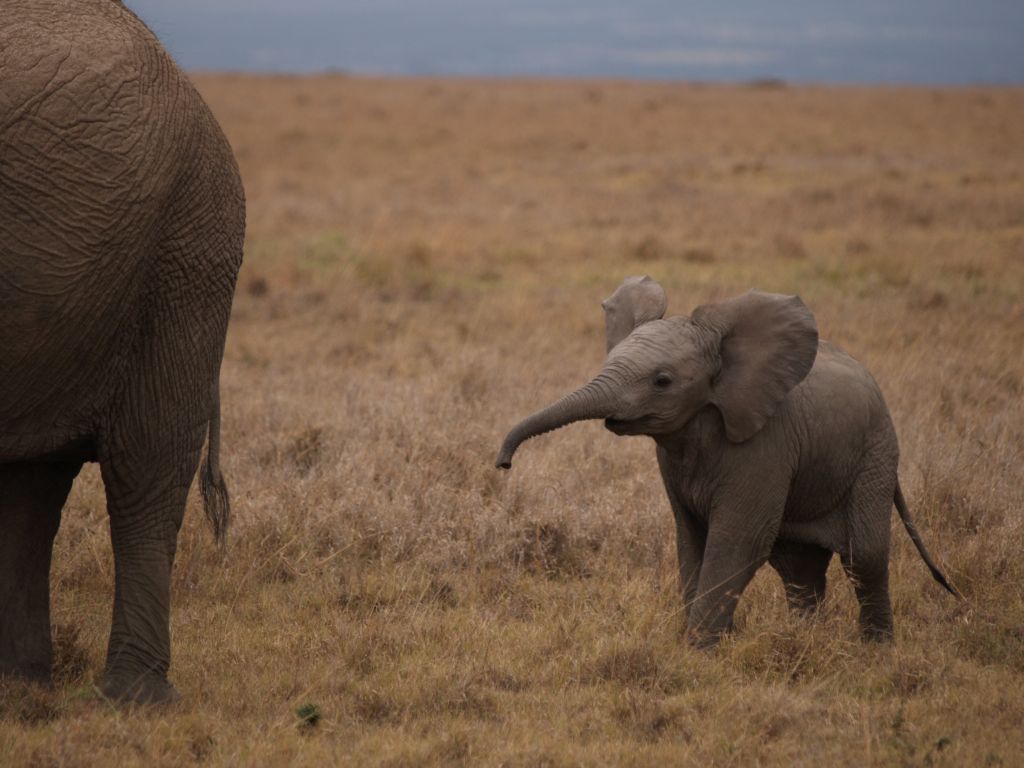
<point x="211" y="482"/>
<point x="908" y="523"/>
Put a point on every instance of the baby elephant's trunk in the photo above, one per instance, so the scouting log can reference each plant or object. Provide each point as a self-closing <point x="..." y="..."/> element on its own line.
<point x="592" y="401"/>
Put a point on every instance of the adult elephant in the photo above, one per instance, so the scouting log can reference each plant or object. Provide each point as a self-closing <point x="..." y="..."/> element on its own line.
<point x="773" y="446"/>
<point x="122" y="218"/>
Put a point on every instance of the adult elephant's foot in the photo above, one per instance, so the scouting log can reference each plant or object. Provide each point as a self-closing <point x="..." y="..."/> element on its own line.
<point x="147" y="688"/>
<point x="37" y="672"/>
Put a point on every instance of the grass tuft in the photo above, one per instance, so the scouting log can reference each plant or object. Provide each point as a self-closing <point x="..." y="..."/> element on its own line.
<point x="309" y="716"/>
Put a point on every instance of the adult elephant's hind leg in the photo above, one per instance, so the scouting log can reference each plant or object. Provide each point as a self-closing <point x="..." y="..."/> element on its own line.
<point x="802" y="568"/>
<point x="148" y="454"/>
<point x="146" y="493"/>
<point x="31" y="498"/>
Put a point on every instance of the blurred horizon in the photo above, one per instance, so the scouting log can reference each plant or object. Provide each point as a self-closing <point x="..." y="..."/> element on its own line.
<point x="926" y="42"/>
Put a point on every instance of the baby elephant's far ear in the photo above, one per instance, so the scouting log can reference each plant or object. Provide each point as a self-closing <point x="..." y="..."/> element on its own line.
<point x="637" y="301"/>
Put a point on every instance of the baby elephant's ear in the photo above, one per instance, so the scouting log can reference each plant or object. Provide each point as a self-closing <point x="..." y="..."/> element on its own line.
<point x="638" y="300"/>
<point x="767" y="343"/>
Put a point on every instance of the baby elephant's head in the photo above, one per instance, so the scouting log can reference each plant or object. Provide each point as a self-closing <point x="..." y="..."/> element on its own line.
<point x="742" y="355"/>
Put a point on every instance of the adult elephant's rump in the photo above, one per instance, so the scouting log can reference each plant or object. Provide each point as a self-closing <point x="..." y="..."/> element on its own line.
<point x="121" y="226"/>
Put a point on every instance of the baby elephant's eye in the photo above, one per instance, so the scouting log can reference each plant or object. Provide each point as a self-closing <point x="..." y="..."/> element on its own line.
<point x="662" y="380"/>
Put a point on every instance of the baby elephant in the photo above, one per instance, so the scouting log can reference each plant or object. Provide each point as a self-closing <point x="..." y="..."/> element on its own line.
<point x="773" y="446"/>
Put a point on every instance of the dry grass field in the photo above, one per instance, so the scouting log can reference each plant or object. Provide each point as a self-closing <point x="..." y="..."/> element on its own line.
<point x="424" y="266"/>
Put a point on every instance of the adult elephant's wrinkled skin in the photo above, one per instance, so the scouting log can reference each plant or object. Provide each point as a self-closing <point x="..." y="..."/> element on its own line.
<point x="122" y="218"/>
<point x="773" y="446"/>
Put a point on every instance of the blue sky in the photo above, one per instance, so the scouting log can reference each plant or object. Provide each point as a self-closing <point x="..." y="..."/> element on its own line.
<point x="870" y="41"/>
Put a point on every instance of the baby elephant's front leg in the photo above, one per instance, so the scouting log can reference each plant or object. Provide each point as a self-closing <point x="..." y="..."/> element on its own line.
<point x="735" y="550"/>
<point x="691" y="538"/>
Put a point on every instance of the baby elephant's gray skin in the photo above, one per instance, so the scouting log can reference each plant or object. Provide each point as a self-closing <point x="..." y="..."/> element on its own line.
<point x="121" y="227"/>
<point x="773" y="446"/>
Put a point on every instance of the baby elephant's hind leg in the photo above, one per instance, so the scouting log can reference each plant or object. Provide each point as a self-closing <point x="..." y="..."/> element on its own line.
<point x="802" y="568"/>
<point x="866" y="553"/>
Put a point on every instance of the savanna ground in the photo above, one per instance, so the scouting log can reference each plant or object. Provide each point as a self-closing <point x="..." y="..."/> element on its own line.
<point x="424" y="267"/>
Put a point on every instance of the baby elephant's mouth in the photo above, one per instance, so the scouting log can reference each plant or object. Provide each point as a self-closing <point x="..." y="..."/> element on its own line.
<point x="618" y="426"/>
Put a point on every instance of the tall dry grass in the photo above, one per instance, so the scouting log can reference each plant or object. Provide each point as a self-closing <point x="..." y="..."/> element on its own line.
<point x="424" y="267"/>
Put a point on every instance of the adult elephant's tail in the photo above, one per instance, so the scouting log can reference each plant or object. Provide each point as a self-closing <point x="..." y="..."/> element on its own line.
<point x="211" y="482"/>
<point x="908" y="523"/>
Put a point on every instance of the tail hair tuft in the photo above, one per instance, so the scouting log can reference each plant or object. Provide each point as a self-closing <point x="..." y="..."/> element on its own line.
<point x="216" y="502"/>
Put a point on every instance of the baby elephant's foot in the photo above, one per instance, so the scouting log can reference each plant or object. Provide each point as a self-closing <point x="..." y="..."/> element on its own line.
<point x="873" y="633"/>
<point x="704" y="640"/>
<point x="804" y="603"/>
<point x="876" y="623"/>
<point x="139" y="689"/>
